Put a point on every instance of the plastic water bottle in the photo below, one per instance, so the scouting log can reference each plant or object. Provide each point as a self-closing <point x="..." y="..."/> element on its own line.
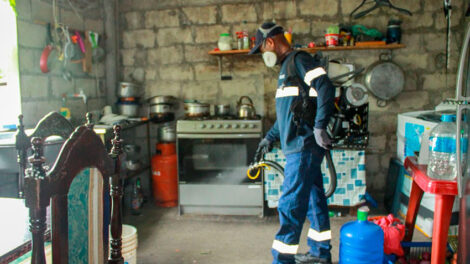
<point x="361" y="241"/>
<point x="442" y="149"/>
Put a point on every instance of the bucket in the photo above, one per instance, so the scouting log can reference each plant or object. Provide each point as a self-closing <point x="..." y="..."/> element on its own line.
<point x="129" y="244"/>
<point x="331" y="39"/>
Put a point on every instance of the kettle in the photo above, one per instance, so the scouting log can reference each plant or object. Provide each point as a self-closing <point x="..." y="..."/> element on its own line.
<point x="245" y="110"/>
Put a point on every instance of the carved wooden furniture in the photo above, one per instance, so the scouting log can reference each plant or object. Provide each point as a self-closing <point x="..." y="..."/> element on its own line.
<point x="53" y="124"/>
<point x="84" y="149"/>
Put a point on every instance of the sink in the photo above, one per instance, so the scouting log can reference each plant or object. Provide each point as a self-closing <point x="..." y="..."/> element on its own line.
<point x="8" y="161"/>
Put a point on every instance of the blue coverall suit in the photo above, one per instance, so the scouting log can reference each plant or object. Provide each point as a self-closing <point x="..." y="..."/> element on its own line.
<point x="303" y="193"/>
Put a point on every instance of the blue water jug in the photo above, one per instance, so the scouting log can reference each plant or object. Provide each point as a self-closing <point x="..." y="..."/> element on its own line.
<point x="361" y="241"/>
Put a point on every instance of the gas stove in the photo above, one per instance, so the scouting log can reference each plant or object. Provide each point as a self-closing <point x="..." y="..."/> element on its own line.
<point x="218" y="126"/>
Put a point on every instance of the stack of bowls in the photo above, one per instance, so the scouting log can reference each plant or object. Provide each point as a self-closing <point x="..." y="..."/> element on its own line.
<point x="129" y="96"/>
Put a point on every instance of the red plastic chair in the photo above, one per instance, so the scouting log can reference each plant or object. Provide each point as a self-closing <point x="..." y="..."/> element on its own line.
<point x="445" y="192"/>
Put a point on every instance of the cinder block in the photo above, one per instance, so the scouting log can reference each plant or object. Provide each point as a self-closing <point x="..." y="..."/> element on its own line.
<point x="31" y="35"/>
<point x="134" y="20"/>
<point x="205" y="91"/>
<point x="127" y="56"/>
<point x="171" y="36"/>
<point x="238" y="12"/>
<point x="34" y="86"/>
<point x="95" y="25"/>
<point x="279" y="10"/>
<point x="23" y="9"/>
<point x="176" y="73"/>
<point x="318" y="8"/>
<point x="210" y="34"/>
<point x="196" y="53"/>
<point x="165" y="55"/>
<point x="60" y="86"/>
<point x="87" y="85"/>
<point x="139" y="38"/>
<point x="162" y="19"/>
<point x="200" y="15"/>
<point x="29" y="60"/>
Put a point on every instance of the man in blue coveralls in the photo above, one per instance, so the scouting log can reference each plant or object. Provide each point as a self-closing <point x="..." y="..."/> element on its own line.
<point x="304" y="146"/>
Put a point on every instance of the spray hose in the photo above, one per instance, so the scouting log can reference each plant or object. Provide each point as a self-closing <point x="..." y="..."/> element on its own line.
<point x="254" y="171"/>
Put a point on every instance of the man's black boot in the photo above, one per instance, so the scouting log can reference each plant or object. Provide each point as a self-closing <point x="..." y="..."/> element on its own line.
<point x="309" y="259"/>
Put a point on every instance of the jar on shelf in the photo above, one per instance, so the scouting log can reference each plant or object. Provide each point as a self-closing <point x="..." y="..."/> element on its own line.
<point x="225" y="42"/>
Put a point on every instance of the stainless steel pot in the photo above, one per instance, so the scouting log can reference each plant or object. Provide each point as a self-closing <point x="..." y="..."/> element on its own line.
<point x="167" y="133"/>
<point x="127" y="89"/>
<point x="131" y="110"/>
<point x="162" y="99"/>
<point x="222" y="109"/>
<point x="197" y="109"/>
<point x="245" y="110"/>
<point x="160" y="109"/>
<point x="384" y="79"/>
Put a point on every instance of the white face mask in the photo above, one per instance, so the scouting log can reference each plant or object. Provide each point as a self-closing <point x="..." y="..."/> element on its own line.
<point x="270" y="58"/>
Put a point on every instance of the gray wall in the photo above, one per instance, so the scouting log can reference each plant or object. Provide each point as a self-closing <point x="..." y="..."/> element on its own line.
<point x="165" y="44"/>
<point x="42" y="93"/>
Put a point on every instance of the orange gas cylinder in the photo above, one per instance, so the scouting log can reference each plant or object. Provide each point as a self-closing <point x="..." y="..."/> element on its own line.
<point x="164" y="175"/>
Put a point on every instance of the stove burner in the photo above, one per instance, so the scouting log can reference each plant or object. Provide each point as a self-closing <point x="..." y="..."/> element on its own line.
<point x="197" y="118"/>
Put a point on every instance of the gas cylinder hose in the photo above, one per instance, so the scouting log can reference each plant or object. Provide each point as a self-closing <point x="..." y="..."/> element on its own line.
<point x="262" y="164"/>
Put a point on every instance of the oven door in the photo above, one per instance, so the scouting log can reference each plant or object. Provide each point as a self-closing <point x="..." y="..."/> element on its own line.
<point x="216" y="159"/>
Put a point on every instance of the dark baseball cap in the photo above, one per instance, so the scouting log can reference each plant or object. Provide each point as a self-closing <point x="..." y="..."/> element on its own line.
<point x="266" y="30"/>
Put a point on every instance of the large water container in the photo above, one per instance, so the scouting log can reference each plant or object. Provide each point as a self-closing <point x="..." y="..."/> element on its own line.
<point x="442" y="149"/>
<point x="361" y="241"/>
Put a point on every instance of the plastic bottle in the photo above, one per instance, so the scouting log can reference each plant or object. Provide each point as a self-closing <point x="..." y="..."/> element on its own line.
<point x="225" y="42"/>
<point x="137" y="198"/>
<point x="361" y="241"/>
<point x="442" y="149"/>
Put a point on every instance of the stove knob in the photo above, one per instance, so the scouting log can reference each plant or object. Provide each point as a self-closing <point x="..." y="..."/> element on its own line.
<point x="235" y="126"/>
<point x="252" y="126"/>
<point x="227" y="126"/>
<point x="219" y="126"/>
<point x="202" y="126"/>
<point x="211" y="126"/>
<point x="244" y="126"/>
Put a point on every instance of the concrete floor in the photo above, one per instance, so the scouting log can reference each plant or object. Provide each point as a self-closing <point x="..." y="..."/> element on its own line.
<point x="166" y="238"/>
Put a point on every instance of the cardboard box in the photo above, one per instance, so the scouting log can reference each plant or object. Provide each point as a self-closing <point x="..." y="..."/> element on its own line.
<point x="410" y="129"/>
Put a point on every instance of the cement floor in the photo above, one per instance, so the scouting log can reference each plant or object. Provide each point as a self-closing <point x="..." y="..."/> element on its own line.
<point x="166" y="238"/>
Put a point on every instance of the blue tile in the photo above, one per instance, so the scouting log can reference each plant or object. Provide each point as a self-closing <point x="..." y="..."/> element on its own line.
<point x="326" y="180"/>
<point x="353" y="173"/>
<point x="350" y="187"/>
<point x="346" y="202"/>
<point x="358" y="183"/>
<point x="361" y="153"/>
<point x="340" y="191"/>
<point x="361" y="167"/>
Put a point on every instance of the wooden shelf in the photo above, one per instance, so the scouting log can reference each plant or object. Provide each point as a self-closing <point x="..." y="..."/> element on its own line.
<point x="313" y="50"/>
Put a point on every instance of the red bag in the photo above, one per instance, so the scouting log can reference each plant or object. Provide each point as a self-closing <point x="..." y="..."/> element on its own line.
<point x="394" y="232"/>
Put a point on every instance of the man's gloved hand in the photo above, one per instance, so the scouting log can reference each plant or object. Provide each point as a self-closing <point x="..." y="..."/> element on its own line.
<point x="322" y="138"/>
<point x="264" y="146"/>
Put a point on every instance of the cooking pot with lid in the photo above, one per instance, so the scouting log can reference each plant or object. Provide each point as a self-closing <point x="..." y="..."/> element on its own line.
<point x="162" y="99"/>
<point x="245" y="110"/>
<point x="127" y="89"/>
<point x="196" y="109"/>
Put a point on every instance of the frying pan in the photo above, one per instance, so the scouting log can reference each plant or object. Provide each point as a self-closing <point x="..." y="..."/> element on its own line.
<point x="384" y="79"/>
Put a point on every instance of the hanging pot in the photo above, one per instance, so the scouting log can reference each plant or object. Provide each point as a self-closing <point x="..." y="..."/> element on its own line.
<point x="245" y="110"/>
<point x="384" y="79"/>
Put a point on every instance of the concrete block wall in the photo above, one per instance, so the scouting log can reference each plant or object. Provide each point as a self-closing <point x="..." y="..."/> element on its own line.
<point x="42" y="92"/>
<point x="164" y="46"/>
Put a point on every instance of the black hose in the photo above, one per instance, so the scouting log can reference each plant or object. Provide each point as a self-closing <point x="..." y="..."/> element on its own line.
<point x="331" y="169"/>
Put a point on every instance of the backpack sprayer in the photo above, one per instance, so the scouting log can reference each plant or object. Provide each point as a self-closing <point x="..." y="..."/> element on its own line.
<point x="336" y="135"/>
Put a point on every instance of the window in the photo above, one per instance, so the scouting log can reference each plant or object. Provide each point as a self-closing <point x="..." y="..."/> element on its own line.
<point x="10" y="106"/>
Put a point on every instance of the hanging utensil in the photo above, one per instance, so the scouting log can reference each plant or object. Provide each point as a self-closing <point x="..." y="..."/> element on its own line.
<point x="384" y="79"/>
<point x="447" y="14"/>
<point x="378" y="3"/>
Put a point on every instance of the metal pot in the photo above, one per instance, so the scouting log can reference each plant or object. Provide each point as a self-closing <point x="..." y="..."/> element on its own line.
<point x="167" y="133"/>
<point x="222" y="109"/>
<point x="128" y="109"/>
<point x="245" y="110"/>
<point x="159" y="109"/>
<point x="162" y="99"/>
<point x="384" y="79"/>
<point x="127" y="89"/>
<point x="197" y="109"/>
